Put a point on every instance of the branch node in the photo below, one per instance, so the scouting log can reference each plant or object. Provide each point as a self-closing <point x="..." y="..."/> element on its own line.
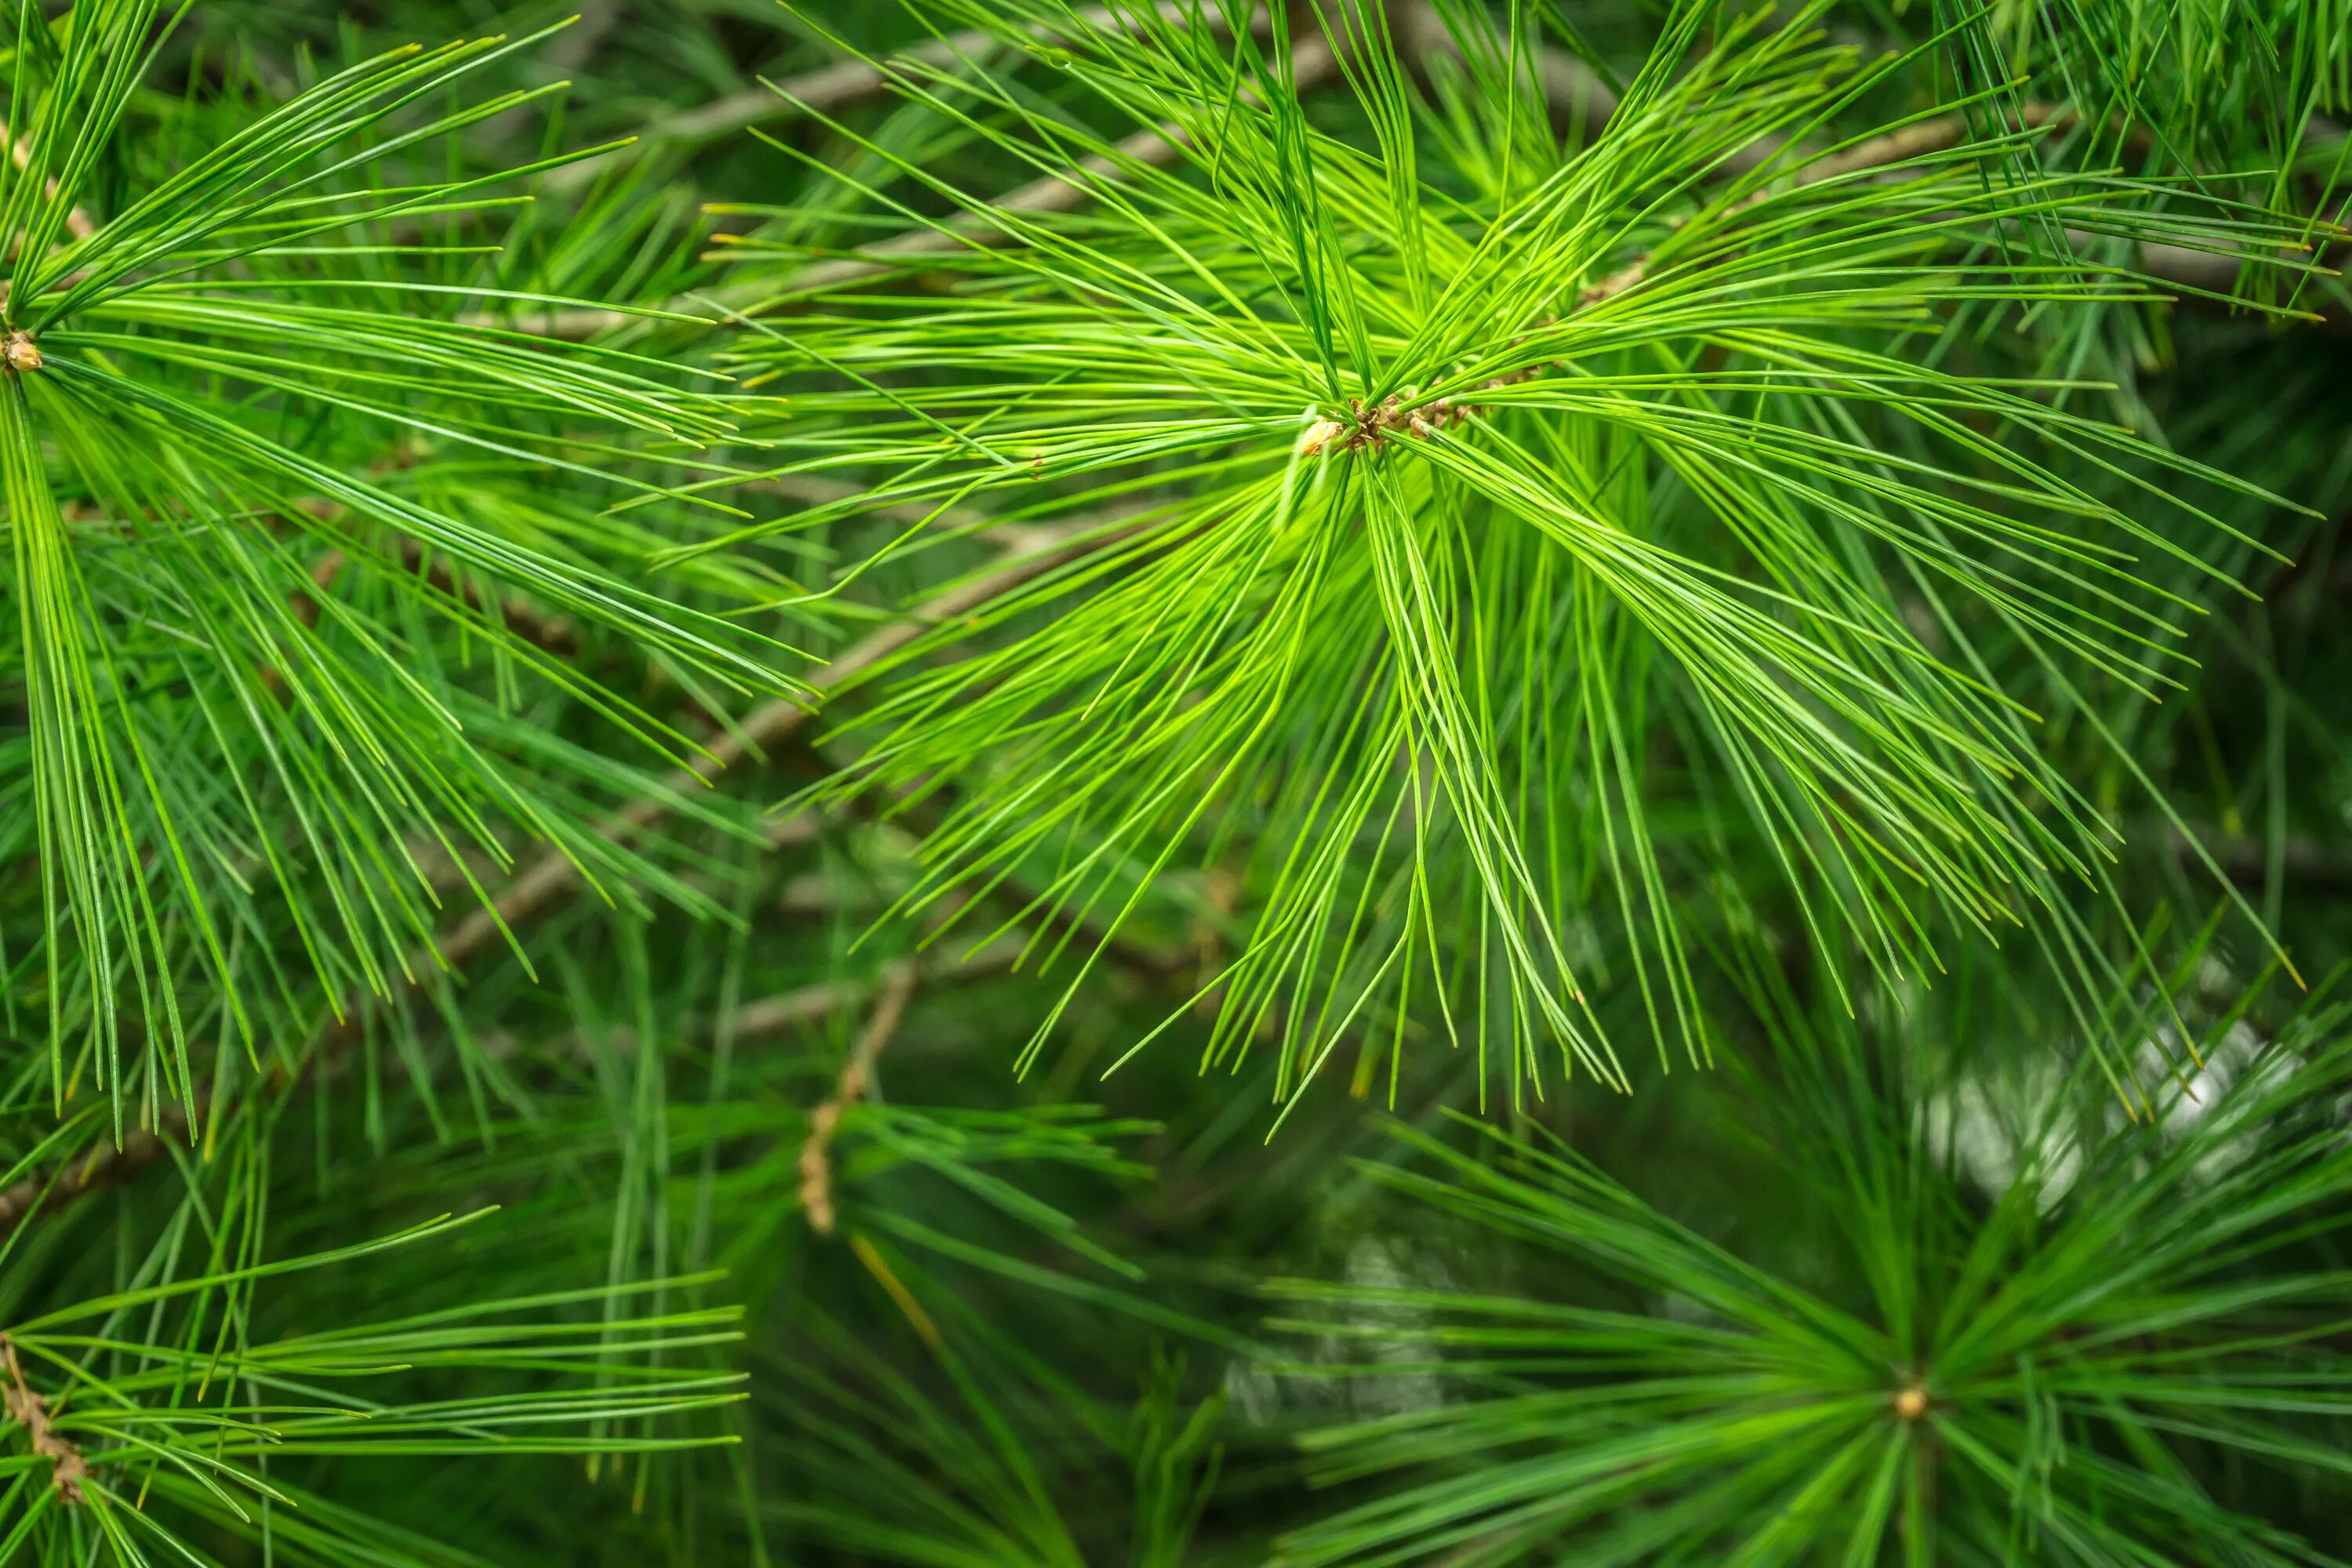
<point x="67" y="1468"/>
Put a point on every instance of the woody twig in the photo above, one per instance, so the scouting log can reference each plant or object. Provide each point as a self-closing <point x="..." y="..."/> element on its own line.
<point x="67" y="1468"/>
<point x="857" y="1073"/>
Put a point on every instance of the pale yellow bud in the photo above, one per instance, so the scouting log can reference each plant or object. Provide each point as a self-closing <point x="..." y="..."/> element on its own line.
<point x="1318" y="436"/>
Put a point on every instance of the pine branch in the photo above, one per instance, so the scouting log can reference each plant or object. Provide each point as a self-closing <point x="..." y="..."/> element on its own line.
<point x="815" y="1164"/>
<point x="2096" y="1278"/>
<point x="104" y="1165"/>
<point x="1428" y="329"/>
<point x="2307" y="864"/>
<point x="829" y="90"/>
<point x="68" y="1470"/>
<point x="553" y="634"/>
<point x="553" y="874"/>
<point x="545" y="883"/>
<point x="1697" y="487"/>
<point x="1312" y="64"/>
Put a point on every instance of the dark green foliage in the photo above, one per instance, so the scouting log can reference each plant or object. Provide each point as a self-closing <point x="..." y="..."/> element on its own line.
<point x="2038" y="1329"/>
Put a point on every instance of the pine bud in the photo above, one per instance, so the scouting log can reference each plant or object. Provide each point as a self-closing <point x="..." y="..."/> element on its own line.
<point x="1320" y="435"/>
<point x="19" y="351"/>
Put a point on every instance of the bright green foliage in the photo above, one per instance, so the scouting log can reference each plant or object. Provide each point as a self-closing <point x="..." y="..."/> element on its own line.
<point x="1457" y="782"/>
<point x="2220" y="87"/>
<point x="1446" y="480"/>
<point x="199" y="374"/>
<point x="181" y="1419"/>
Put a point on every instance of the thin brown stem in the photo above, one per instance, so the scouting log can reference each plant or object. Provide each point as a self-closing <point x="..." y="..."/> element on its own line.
<point x="1312" y="67"/>
<point x="102" y="1166"/>
<point x="815" y="1161"/>
<point x="543" y="883"/>
<point x="829" y="90"/>
<point x="554" y="874"/>
<point x="67" y="1468"/>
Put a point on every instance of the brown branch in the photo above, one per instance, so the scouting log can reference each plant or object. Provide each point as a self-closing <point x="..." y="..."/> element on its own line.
<point x="2208" y="271"/>
<point x="829" y="89"/>
<point x="102" y="1166"/>
<point x="820" y="93"/>
<point x="807" y="1003"/>
<point x="553" y="874"/>
<point x="815" y="490"/>
<point x="815" y="1167"/>
<point x="1155" y="146"/>
<point x="67" y="1468"/>
<point x="1159" y="147"/>
<point x="1576" y="96"/>
<point x="2305" y="865"/>
<point x="1312" y="64"/>
<point x="515" y="613"/>
<point x="804" y="1005"/>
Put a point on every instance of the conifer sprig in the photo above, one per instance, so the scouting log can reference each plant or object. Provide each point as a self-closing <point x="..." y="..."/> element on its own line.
<point x="1973" y="1377"/>
<point x="172" y="1424"/>
<point x="246" y="701"/>
<point x="1468" y="485"/>
<point x="1370" y="525"/>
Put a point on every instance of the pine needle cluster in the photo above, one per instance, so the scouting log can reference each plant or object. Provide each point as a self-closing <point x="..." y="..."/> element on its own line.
<point x="1000" y="782"/>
